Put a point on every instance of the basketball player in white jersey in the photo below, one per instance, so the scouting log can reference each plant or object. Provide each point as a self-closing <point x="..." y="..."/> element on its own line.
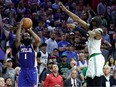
<point x="96" y="59"/>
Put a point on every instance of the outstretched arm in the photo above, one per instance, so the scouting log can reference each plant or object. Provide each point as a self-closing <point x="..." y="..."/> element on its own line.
<point x="18" y="33"/>
<point x="74" y="17"/>
<point x="8" y="50"/>
<point x="97" y="33"/>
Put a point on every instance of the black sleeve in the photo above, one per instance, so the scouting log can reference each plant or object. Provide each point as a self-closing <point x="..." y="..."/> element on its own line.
<point x="81" y="31"/>
<point x="39" y="54"/>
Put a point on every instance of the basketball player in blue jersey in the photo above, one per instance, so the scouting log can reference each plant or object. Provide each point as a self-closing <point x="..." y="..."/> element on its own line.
<point x="27" y="57"/>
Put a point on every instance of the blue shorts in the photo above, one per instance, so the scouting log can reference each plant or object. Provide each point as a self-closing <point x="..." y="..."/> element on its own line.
<point x="27" y="77"/>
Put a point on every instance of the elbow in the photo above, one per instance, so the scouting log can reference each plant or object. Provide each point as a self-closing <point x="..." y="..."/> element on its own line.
<point x="38" y="40"/>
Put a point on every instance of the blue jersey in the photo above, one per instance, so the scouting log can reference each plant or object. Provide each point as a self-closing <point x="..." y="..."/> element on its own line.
<point x="27" y="57"/>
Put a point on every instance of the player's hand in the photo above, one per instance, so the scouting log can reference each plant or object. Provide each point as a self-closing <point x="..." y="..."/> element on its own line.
<point x="29" y="30"/>
<point x="21" y="23"/>
<point x="62" y="6"/>
<point x="44" y="64"/>
<point x="8" y="50"/>
<point x="71" y="26"/>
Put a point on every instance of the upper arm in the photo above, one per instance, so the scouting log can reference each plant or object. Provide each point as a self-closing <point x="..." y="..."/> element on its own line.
<point x="36" y="44"/>
<point x="98" y="35"/>
<point x="83" y="23"/>
<point x="17" y="44"/>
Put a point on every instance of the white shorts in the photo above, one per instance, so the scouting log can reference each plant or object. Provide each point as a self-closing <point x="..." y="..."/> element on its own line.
<point x="95" y="66"/>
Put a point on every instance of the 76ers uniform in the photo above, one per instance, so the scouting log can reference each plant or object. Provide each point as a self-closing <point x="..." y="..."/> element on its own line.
<point x="28" y="64"/>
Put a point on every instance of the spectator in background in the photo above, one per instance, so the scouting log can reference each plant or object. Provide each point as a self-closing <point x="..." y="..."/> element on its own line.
<point x="56" y="53"/>
<point x="70" y="53"/>
<point x="114" y="46"/>
<point x="71" y="38"/>
<point x="63" y="66"/>
<point x="106" y="78"/>
<point x="62" y="45"/>
<point x="8" y="70"/>
<point x="53" y="59"/>
<point x="111" y="30"/>
<point x="43" y="57"/>
<point x="11" y="41"/>
<point x="101" y="7"/>
<point x="47" y="72"/>
<point x="21" y="9"/>
<point x="106" y="49"/>
<point x="17" y="70"/>
<point x="44" y="4"/>
<point x="8" y="82"/>
<point x="55" y="5"/>
<point x="111" y="62"/>
<point x="73" y="81"/>
<point x="7" y="2"/>
<point x="105" y="34"/>
<point x="82" y="63"/>
<point x="113" y="79"/>
<point x="113" y="13"/>
<point x="51" y="44"/>
<point x="54" y="79"/>
<point x="73" y="65"/>
<point x="2" y="82"/>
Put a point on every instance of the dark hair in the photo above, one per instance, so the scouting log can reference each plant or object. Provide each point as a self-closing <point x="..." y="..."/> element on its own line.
<point x="109" y="61"/>
<point x="98" y="22"/>
<point x="8" y="78"/>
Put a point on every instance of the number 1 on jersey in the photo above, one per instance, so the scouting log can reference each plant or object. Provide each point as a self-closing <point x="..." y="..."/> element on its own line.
<point x="25" y="56"/>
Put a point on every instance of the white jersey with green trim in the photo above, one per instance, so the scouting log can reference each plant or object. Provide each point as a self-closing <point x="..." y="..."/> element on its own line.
<point x="93" y="46"/>
<point x="96" y="62"/>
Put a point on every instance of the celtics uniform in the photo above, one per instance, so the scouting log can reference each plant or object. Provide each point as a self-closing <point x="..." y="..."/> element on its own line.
<point x="96" y="59"/>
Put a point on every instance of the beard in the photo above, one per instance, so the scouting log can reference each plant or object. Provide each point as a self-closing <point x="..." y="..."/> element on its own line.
<point x="27" y="42"/>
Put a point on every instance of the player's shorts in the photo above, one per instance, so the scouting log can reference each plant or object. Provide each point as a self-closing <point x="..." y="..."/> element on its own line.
<point x="95" y="65"/>
<point x="28" y="77"/>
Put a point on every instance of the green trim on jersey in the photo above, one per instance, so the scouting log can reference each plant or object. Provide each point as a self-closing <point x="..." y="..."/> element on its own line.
<point x="94" y="54"/>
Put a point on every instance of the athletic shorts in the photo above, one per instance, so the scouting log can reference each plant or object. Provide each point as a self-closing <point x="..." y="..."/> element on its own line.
<point x="28" y="77"/>
<point x="95" y="66"/>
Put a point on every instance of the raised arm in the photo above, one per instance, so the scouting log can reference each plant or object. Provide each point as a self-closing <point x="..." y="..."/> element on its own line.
<point x="5" y="57"/>
<point x="97" y="33"/>
<point x="18" y="33"/>
<point x="74" y="17"/>
<point x="37" y="39"/>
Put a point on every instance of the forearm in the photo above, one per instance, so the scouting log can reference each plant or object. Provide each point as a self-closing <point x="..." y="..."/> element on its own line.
<point x="4" y="61"/>
<point x="35" y="36"/>
<point x="18" y="33"/>
<point x="77" y="19"/>
<point x="82" y="31"/>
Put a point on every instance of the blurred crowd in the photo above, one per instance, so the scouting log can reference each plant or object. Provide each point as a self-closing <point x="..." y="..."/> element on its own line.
<point x="61" y="47"/>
